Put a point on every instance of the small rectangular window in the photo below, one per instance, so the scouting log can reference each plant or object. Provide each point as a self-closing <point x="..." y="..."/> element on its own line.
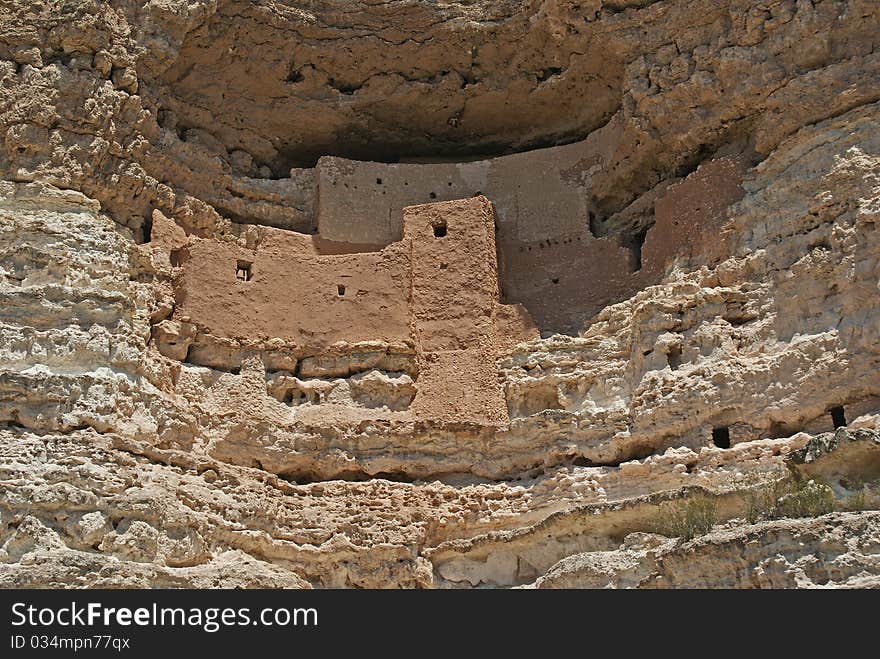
<point x="243" y="270"/>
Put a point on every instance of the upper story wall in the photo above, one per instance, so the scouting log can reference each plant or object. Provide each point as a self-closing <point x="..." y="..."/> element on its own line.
<point x="689" y="217"/>
<point x="548" y="259"/>
<point x="536" y="194"/>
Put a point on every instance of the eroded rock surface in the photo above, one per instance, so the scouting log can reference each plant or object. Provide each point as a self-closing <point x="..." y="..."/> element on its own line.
<point x="343" y="294"/>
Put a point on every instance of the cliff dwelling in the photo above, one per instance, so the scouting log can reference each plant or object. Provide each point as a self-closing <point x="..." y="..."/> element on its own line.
<point x="500" y="254"/>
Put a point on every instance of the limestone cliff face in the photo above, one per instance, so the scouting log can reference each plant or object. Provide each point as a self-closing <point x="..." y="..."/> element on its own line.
<point x="408" y="294"/>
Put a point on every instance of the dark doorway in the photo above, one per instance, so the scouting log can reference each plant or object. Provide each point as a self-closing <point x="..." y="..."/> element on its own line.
<point x="721" y="437"/>
<point x="838" y="417"/>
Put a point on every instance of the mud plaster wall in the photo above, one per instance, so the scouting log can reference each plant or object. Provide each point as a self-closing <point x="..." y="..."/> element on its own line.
<point x="689" y="217"/>
<point x="536" y="193"/>
<point x="313" y="292"/>
<point x="565" y="279"/>
<point x="295" y="293"/>
<point x="540" y="198"/>
<point x="436" y="290"/>
<point x="454" y="307"/>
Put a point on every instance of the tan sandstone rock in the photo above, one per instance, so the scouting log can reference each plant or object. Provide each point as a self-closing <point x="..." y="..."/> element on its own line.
<point x="472" y="295"/>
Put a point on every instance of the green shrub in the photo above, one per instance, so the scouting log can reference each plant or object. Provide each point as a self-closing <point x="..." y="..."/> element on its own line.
<point x="689" y="518"/>
<point x="759" y="501"/>
<point x="806" y="499"/>
<point x="789" y="498"/>
<point x="856" y="502"/>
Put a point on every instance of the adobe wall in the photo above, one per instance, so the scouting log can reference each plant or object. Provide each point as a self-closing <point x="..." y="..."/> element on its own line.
<point x="541" y="202"/>
<point x="689" y="217"/>
<point x="294" y="291"/>
<point x="563" y="281"/>
<point x="433" y="295"/>
<point x="454" y="304"/>
<point x="430" y="303"/>
<point x="536" y="194"/>
<point x="548" y="259"/>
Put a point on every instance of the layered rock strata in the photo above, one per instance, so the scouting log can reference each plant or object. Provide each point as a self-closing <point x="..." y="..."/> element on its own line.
<point x="340" y="294"/>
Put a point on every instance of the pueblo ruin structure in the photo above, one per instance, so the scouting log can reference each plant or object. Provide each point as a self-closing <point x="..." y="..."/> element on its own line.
<point x="501" y="251"/>
<point x="431" y="297"/>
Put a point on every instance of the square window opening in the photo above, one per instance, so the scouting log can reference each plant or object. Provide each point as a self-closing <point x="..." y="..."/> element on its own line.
<point x="244" y="270"/>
